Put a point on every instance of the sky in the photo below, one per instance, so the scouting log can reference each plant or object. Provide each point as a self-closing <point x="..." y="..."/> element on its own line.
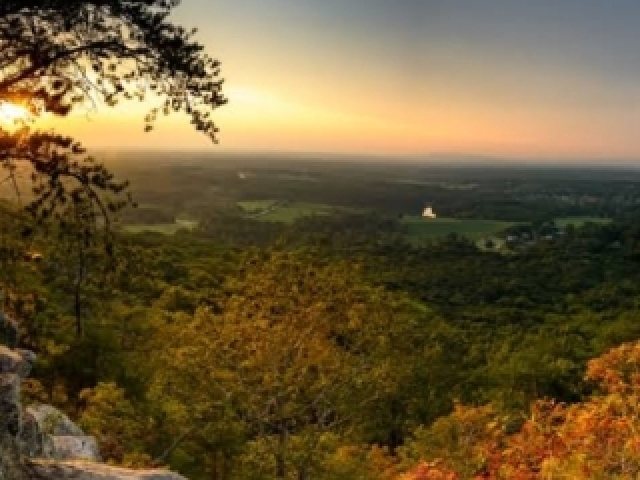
<point x="514" y="78"/>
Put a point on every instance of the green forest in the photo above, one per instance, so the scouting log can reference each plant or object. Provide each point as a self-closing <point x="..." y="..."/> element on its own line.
<point x="303" y="349"/>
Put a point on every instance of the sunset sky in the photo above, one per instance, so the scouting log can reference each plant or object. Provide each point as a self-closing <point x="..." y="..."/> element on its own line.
<point x="543" y="78"/>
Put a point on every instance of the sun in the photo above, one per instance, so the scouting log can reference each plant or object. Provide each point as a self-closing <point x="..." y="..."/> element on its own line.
<point x="11" y="113"/>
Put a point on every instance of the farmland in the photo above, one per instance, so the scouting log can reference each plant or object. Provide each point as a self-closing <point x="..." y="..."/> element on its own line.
<point x="257" y="197"/>
<point x="580" y="221"/>
<point x="420" y="229"/>
<point x="162" y="228"/>
<point x="286" y="212"/>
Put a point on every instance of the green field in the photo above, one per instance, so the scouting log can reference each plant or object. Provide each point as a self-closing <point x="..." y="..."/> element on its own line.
<point x="255" y="206"/>
<point x="163" y="228"/>
<point x="290" y="213"/>
<point x="286" y="212"/>
<point x="580" y="221"/>
<point x="421" y="229"/>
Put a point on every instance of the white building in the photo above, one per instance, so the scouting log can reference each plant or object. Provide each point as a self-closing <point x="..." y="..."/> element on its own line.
<point x="429" y="213"/>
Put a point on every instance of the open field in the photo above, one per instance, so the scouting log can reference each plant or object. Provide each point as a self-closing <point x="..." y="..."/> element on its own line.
<point x="256" y="206"/>
<point x="580" y="221"/>
<point x="163" y="228"/>
<point x="421" y="229"/>
<point x="290" y="213"/>
<point x="287" y="212"/>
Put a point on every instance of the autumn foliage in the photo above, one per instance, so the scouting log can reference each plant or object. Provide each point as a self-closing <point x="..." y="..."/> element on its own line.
<point x="596" y="439"/>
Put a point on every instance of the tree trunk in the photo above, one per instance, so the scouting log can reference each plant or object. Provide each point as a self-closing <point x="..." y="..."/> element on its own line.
<point x="281" y="469"/>
<point x="77" y="294"/>
<point x="303" y="474"/>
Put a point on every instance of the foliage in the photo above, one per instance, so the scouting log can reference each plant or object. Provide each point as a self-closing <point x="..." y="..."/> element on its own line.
<point x="375" y="357"/>
<point x="285" y="363"/>
<point x="111" y="418"/>
<point x="59" y="56"/>
<point x="594" y="439"/>
<point x="461" y="441"/>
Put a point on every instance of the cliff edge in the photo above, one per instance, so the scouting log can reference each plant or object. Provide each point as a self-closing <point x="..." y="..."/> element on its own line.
<point x="41" y="443"/>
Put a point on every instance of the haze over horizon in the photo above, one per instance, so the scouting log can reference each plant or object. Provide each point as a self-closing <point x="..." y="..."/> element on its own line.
<point x="498" y="78"/>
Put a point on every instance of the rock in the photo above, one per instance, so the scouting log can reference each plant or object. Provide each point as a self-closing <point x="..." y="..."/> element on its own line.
<point x="70" y="447"/>
<point x="33" y="441"/>
<point x="28" y="359"/>
<point x="9" y="360"/>
<point x="10" y="466"/>
<point x="16" y="361"/>
<point x="53" y="422"/>
<point x="49" y="433"/>
<point x="13" y="367"/>
<point x="42" y="443"/>
<point x="10" y="415"/>
<point x="49" y="470"/>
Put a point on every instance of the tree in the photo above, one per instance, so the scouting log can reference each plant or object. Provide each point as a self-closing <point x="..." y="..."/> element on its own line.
<point x="460" y="441"/>
<point x="595" y="439"/>
<point x="299" y="353"/>
<point x="57" y="56"/>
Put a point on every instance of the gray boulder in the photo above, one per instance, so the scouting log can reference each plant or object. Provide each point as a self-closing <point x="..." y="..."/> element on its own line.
<point x="75" y="447"/>
<point x="10" y="360"/>
<point x="14" y="366"/>
<point x="52" y="421"/>
<point x="49" y="433"/>
<point x="33" y="441"/>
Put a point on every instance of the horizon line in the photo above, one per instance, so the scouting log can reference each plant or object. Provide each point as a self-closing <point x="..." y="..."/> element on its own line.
<point x="458" y="157"/>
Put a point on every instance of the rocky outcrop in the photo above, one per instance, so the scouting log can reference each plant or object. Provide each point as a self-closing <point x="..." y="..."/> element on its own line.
<point x="42" y="443"/>
<point x="53" y="420"/>
<point x="14" y="367"/>
<point x="48" y="470"/>
<point x="49" y="433"/>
